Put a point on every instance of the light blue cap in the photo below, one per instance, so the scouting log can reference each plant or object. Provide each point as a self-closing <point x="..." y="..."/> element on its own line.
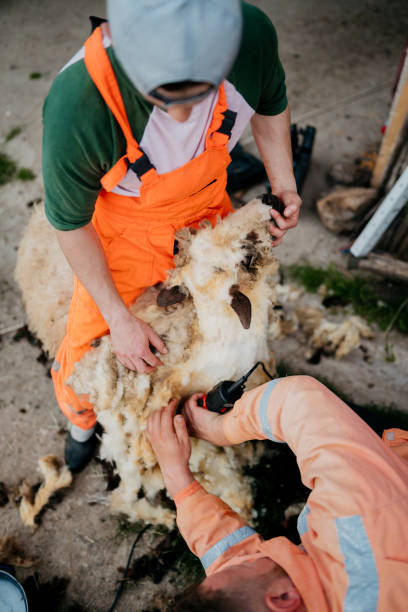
<point x="166" y="41"/>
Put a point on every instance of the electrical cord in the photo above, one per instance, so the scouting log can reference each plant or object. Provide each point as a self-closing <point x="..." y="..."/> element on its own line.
<point x="122" y="582"/>
<point x="244" y="378"/>
<point x="264" y="369"/>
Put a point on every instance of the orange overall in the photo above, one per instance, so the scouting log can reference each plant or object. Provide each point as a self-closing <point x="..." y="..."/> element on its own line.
<point x="137" y="233"/>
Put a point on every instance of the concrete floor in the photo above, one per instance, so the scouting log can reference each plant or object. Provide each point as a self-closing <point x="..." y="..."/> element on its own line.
<point x="340" y="60"/>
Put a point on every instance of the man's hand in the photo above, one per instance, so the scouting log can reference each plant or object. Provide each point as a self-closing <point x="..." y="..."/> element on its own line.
<point x="133" y="341"/>
<point x="203" y="423"/>
<point x="272" y="136"/>
<point x="292" y="202"/>
<point x="169" y="438"/>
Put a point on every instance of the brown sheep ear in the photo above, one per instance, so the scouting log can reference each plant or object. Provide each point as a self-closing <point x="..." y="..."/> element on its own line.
<point x="241" y="305"/>
<point x="169" y="297"/>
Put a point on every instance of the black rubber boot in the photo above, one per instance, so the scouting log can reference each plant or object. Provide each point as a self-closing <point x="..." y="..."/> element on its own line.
<point x="79" y="454"/>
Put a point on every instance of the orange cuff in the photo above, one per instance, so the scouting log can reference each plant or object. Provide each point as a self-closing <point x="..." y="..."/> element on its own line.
<point x="188" y="491"/>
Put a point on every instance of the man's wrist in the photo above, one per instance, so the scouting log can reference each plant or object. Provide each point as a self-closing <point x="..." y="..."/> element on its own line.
<point x="116" y="314"/>
<point x="177" y="478"/>
<point x="278" y="189"/>
<point x="218" y="436"/>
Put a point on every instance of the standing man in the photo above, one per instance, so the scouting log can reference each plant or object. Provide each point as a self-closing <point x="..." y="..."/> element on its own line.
<point x="137" y="132"/>
<point x="353" y="528"/>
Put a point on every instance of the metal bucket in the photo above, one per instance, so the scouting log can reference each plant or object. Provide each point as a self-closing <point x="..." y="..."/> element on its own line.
<point x="12" y="596"/>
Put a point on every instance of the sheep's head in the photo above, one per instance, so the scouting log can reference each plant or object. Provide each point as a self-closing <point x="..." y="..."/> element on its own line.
<point x="221" y="265"/>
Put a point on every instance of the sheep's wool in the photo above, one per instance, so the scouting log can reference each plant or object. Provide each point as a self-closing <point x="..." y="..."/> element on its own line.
<point x="46" y="281"/>
<point x="212" y="334"/>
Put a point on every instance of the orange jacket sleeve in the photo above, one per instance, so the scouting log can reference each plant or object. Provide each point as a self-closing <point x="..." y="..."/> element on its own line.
<point x="340" y="458"/>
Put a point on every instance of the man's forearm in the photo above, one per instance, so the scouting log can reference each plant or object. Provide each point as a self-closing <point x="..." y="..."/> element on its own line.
<point x="272" y="137"/>
<point x="83" y="250"/>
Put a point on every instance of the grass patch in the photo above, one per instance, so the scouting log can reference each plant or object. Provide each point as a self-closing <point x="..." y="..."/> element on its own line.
<point x="362" y="294"/>
<point x="7" y="169"/>
<point x="25" y="174"/>
<point x="15" y="131"/>
<point x="35" y="75"/>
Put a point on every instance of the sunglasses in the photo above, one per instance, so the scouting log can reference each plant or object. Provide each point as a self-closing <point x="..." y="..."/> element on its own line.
<point x="166" y="102"/>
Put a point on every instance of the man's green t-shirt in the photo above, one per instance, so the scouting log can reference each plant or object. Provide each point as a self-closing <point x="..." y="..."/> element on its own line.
<point x="82" y="140"/>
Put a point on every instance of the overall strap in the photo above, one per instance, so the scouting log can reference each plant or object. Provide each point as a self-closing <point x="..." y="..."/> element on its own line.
<point x="222" y="122"/>
<point x="101" y="72"/>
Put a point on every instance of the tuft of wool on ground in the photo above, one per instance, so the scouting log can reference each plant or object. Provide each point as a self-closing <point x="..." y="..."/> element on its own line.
<point x="325" y="335"/>
<point x="332" y="338"/>
<point x="56" y="476"/>
<point x="214" y="312"/>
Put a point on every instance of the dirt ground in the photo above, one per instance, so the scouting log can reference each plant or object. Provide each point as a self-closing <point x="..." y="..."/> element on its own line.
<point x="341" y="60"/>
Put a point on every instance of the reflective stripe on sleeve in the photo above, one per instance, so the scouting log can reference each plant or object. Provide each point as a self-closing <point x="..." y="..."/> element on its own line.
<point x="389" y="435"/>
<point x="77" y="411"/>
<point x="302" y="526"/>
<point x="55" y="366"/>
<point x="224" y="544"/>
<point x="360" y="566"/>
<point x="263" y="410"/>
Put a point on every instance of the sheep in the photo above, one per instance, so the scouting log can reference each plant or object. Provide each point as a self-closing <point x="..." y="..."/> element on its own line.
<point x="46" y="281"/>
<point x="213" y="313"/>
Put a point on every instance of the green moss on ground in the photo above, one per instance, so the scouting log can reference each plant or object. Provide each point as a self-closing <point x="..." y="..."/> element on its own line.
<point x="8" y="169"/>
<point x="366" y="297"/>
<point x="25" y="174"/>
<point x="15" y="131"/>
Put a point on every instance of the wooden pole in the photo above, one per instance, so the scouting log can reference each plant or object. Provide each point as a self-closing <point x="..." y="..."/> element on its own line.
<point x="385" y="265"/>
<point x="397" y="117"/>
